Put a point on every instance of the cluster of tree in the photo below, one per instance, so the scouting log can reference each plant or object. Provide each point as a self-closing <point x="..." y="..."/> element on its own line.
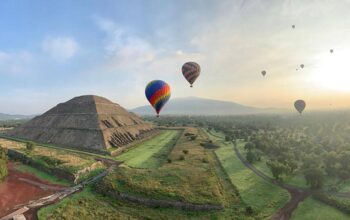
<point x="3" y="163"/>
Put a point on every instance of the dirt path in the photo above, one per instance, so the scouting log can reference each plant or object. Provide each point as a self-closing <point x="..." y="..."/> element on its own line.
<point x="14" y="191"/>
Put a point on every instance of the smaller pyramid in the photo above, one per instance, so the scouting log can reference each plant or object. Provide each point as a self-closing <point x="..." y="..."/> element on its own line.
<point x="91" y="123"/>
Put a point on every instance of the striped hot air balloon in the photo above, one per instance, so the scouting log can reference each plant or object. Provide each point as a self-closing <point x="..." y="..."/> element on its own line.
<point x="157" y="93"/>
<point x="191" y="71"/>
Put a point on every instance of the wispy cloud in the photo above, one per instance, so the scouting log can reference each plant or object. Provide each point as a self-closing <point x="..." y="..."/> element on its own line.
<point x="14" y="62"/>
<point x="60" y="48"/>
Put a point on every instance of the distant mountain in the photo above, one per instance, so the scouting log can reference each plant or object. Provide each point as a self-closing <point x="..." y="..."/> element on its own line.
<point x="5" y="117"/>
<point x="202" y="106"/>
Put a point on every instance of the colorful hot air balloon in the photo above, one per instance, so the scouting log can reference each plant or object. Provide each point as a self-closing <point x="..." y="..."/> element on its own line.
<point x="300" y="105"/>
<point x="191" y="71"/>
<point x="263" y="72"/>
<point x="157" y="93"/>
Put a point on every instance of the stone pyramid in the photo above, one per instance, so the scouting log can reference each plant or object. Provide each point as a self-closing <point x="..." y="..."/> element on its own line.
<point x="88" y="122"/>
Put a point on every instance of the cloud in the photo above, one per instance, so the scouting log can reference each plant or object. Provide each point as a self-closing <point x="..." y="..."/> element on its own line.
<point x="60" y="48"/>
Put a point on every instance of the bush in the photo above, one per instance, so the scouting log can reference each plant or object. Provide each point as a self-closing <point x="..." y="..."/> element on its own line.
<point x="169" y="160"/>
<point x="182" y="157"/>
<point x="30" y="146"/>
<point x="185" y="151"/>
<point x="192" y="138"/>
<point x="341" y="204"/>
<point x="204" y="160"/>
<point x="249" y="210"/>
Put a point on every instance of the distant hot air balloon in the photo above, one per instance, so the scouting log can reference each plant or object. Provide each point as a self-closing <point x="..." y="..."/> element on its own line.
<point x="302" y="66"/>
<point x="191" y="71"/>
<point x="263" y="72"/>
<point x="331" y="50"/>
<point x="158" y="93"/>
<point x="300" y="105"/>
<point x="293" y="26"/>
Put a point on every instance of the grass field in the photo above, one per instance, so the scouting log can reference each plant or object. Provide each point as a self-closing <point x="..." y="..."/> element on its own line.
<point x="151" y="153"/>
<point x="41" y="175"/>
<point x="52" y="157"/>
<point x="196" y="178"/>
<point x="262" y="196"/>
<point x="189" y="176"/>
<point x="311" y="209"/>
<point x="89" y="205"/>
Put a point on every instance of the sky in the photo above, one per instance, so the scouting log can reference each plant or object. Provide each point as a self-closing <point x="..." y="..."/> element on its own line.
<point x="52" y="51"/>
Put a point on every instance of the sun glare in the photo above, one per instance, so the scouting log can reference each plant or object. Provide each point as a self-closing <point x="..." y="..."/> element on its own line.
<point x="332" y="71"/>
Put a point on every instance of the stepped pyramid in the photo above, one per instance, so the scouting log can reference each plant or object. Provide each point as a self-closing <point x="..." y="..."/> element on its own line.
<point x="88" y="122"/>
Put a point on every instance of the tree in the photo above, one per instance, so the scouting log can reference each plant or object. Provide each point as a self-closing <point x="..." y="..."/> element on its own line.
<point x="3" y="162"/>
<point x="314" y="177"/>
<point x="277" y="168"/>
<point x="249" y="146"/>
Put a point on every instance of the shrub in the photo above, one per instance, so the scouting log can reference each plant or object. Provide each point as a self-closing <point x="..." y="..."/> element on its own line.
<point x="30" y="146"/>
<point x="249" y="210"/>
<point x="169" y="160"/>
<point x="204" y="160"/>
<point x="185" y="151"/>
<point x="182" y="157"/>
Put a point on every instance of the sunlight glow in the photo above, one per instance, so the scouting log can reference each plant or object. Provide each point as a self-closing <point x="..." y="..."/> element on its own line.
<point x="332" y="71"/>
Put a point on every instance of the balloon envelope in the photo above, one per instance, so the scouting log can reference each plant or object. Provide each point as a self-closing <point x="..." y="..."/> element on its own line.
<point x="263" y="72"/>
<point x="191" y="71"/>
<point x="331" y="50"/>
<point x="302" y="65"/>
<point x="293" y="26"/>
<point x="300" y="105"/>
<point x="157" y="93"/>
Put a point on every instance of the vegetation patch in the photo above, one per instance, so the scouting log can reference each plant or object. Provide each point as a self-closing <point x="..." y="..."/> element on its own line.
<point x="151" y="153"/>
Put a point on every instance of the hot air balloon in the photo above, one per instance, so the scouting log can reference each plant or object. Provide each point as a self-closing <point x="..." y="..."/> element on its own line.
<point x="293" y="26"/>
<point x="300" y="105"/>
<point x="157" y="93"/>
<point x="191" y="71"/>
<point x="302" y="66"/>
<point x="331" y="50"/>
<point x="263" y="72"/>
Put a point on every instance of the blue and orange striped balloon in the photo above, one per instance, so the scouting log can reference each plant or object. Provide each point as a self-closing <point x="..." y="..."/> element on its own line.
<point x="157" y="93"/>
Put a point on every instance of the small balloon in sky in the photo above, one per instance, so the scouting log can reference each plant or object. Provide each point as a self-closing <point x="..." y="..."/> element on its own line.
<point x="191" y="71"/>
<point x="300" y="105"/>
<point x="302" y="66"/>
<point x="263" y="72"/>
<point x="331" y="50"/>
<point x="158" y="94"/>
<point x="293" y="26"/>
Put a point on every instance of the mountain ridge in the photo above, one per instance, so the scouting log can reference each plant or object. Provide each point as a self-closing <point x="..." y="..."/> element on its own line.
<point x="202" y="106"/>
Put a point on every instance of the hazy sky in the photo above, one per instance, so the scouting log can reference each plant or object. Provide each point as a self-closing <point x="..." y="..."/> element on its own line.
<point x="51" y="51"/>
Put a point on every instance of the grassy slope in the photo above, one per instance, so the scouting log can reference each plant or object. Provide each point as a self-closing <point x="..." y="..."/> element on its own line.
<point x="89" y="205"/>
<point x="263" y="197"/>
<point x="311" y="209"/>
<point x="148" y="153"/>
<point x="190" y="180"/>
<point x="42" y="175"/>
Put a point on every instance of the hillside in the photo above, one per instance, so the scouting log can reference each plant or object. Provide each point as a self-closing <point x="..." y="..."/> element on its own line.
<point x="202" y="106"/>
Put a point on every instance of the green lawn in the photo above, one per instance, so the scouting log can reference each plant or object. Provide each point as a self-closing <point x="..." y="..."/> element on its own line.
<point x="263" y="197"/>
<point x="42" y="175"/>
<point x="311" y="209"/>
<point x="151" y="153"/>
